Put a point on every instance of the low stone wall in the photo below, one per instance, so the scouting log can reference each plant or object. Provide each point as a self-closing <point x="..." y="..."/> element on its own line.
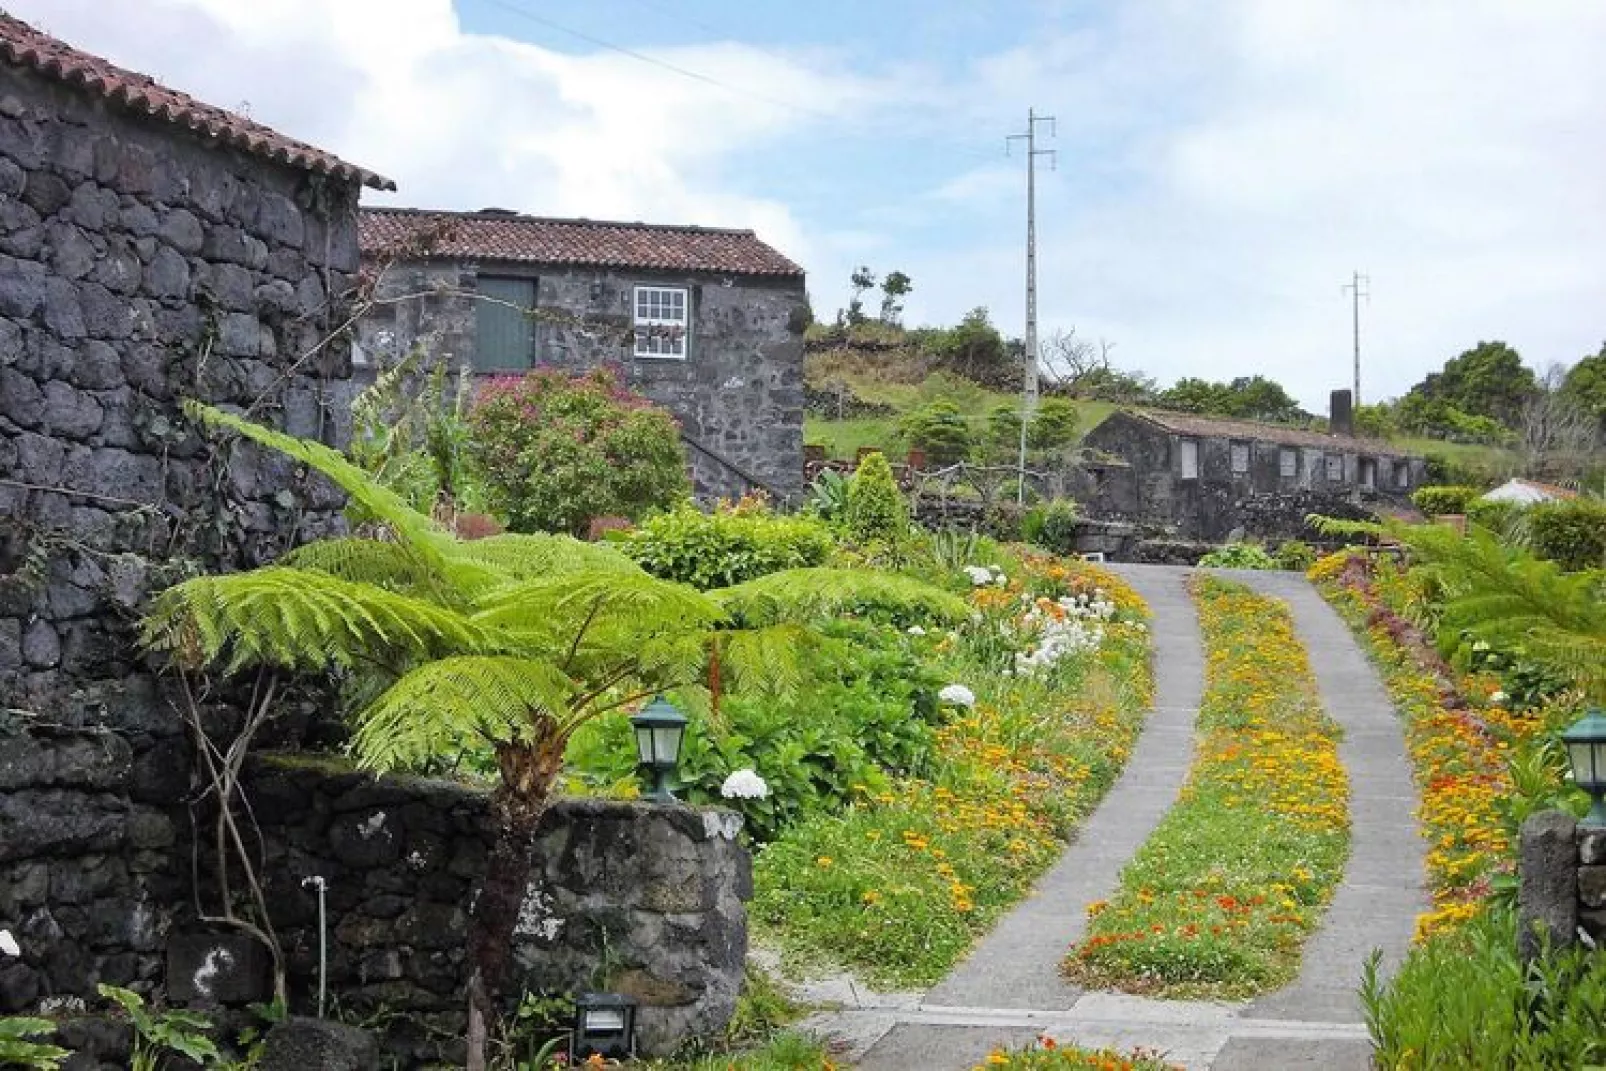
<point x="635" y="898"/>
<point x="1561" y="892"/>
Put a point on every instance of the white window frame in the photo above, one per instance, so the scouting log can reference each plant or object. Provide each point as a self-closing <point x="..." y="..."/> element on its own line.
<point x="1189" y="452"/>
<point x="1335" y="468"/>
<point x="1402" y="474"/>
<point x="1366" y="473"/>
<point x="1233" y="455"/>
<point x="660" y="335"/>
<point x="1287" y="462"/>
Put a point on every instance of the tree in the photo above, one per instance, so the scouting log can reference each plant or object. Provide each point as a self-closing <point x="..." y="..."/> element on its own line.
<point x="861" y="280"/>
<point x="1585" y="387"/>
<point x="507" y="644"/>
<point x="974" y="349"/>
<point x="876" y="511"/>
<point x="1053" y="427"/>
<point x="1554" y="427"/>
<point x="1488" y="380"/>
<point x="1074" y="363"/>
<point x="895" y="286"/>
<point x="555" y="451"/>
<point x="938" y="430"/>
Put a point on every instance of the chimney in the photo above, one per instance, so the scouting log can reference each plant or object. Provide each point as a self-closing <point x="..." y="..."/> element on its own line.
<point x="1341" y="413"/>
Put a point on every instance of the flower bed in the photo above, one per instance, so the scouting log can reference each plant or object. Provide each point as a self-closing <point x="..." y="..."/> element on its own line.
<point x="899" y="884"/>
<point x="1220" y="898"/>
<point x="1047" y="1055"/>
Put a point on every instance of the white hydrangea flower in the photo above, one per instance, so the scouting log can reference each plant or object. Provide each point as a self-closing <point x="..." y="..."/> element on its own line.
<point x="8" y="944"/>
<point x="958" y="694"/>
<point x="744" y="784"/>
<point x="980" y="575"/>
<point x="1498" y="697"/>
<point x="916" y="630"/>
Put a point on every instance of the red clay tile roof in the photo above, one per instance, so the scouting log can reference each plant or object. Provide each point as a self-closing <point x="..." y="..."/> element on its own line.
<point x="26" y="47"/>
<point x="1208" y="427"/>
<point x="411" y="233"/>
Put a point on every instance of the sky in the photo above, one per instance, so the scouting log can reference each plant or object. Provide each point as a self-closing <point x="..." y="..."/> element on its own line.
<point x="1221" y="167"/>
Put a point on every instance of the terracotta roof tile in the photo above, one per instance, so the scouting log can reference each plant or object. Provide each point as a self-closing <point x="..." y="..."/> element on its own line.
<point x="1206" y="427"/>
<point x="24" y="46"/>
<point x="411" y="233"/>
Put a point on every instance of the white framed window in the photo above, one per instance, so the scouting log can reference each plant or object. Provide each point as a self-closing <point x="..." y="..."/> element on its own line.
<point x="1402" y="474"/>
<point x="663" y="321"/>
<point x="1335" y="468"/>
<point x="1190" y="459"/>
<point x="1368" y="472"/>
<point x="1240" y="458"/>
<point x="1288" y="461"/>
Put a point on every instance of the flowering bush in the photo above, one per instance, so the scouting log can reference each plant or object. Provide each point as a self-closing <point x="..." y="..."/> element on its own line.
<point x="1220" y="897"/>
<point x="744" y="784"/>
<point x="555" y="451"/>
<point x="1048" y="1055"/>
<point x="958" y="695"/>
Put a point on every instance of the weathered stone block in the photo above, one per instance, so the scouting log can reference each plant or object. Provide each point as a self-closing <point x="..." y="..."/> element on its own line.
<point x="1592" y="886"/>
<point x="1591" y="846"/>
<point x="1547" y="890"/>
<point x="298" y="1044"/>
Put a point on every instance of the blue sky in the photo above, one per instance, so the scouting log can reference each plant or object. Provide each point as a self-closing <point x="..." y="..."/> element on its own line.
<point x="1223" y="166"/>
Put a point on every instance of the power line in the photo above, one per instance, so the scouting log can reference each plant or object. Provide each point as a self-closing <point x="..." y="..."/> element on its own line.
<point x="1029" y="370"/>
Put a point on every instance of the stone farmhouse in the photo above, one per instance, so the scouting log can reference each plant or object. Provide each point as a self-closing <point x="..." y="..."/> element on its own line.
<point x="707" y="323"/>
<point x="1207" y="477"/>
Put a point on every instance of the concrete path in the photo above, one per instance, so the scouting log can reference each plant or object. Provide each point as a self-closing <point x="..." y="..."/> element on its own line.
<point x="1009" y="990"/>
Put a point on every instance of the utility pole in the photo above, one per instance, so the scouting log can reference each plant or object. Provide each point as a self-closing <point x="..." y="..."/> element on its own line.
<point x="1029" y="372"/>
<point x="1357" y="287"/>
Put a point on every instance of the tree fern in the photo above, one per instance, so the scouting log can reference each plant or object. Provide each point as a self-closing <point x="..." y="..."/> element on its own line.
<point x="805" y="595"/>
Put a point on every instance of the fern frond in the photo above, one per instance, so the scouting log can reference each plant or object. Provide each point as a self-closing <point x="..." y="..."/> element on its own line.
<point x="630" y="604"/>
<point x="303" y="619"/>
<point x="448" y="705"/>
<point x="1341" y="528"/>
<point x="766" y="661"/>
<point x="809" y="595"/>
<point x="536" y="555"/>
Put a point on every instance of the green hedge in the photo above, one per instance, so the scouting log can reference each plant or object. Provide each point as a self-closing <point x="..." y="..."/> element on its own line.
<point x="1572" y="534"/>
<point x="728" y="546"/>
<point x="1442" y="499"/>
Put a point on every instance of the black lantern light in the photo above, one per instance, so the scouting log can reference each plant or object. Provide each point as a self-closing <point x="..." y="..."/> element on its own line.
<point x="1586" y="752"/>
<point x="659" y="730"/>
<point x="604" y="1025"/>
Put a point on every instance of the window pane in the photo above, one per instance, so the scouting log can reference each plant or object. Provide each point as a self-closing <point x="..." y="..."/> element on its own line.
<point x="1190" y="459"/>
<point x="504" y="334"/>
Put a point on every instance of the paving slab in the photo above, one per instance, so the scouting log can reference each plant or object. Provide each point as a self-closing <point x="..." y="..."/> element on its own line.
<point x="1292" y="1054"/>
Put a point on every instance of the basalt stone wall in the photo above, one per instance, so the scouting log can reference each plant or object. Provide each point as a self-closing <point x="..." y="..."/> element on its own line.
<point x="625" y="897"/>
<point x="1561" y="884"/>
<point x="138" y="266"/>
<point x="738" y="395"/>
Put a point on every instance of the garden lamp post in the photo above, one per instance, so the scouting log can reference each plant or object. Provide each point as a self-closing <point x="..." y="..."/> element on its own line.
<point x="604" y="1025"/>
<point x="1586" y="753"/>
<point x="660" y="728"/>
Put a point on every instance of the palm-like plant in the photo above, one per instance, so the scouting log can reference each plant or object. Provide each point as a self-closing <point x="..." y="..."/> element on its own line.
<point x="507" y="644"/>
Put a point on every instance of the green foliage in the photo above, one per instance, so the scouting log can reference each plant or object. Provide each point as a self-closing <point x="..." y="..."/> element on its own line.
<point x="1500" y="517"/>
<point x="411" y="439"/>
<point x="725" y="547"/>
<point x="1571" y="534"/>
<point x="556" y="451"/>
<point x="1441" y="499"/>
<point x="1052" y="526"/>
<point x="821" y="594"/>
<point x="157" y="1034"/>
<point x="1475" y="396"/>
<point x="868" y="714"/>
<point x="1247" y="397"/>
<point x="1439" y="418"/>
<point x="1054" y="425"/>
<point x="973" y="349"/>
<point x="1585" y="386"/>
<point x="1239" y="556"/>
<point x="876" y="510"/>
<point x="19" y="1049"/>
<point x="1464" y="999"/>
<point x="1295" y="555"/>
<point x="939" y="431"/>
<point x="828" y="495"/>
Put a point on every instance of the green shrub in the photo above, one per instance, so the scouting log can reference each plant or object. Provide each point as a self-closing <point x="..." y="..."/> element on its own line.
<point x="876" y="511"/>
<point x="555" y="451"/>
<point x="1295" y="555"/>
<point x="1443" y="499"/>
<point x="1571" y="534"/>
<point x="828" y="495"/>
<point x="1498" y="517"/>
<point x="939" y="431"/>
<point x="1053" y="426"/>
<point x="1239" y="556"/>
<point x="1052" y="526"/>
<point x="728" y="546"/>
<point x="1464" y="999"/>
<point x="18" y="1047"/>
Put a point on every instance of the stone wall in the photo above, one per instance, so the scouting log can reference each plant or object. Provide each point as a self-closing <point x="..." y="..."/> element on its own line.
<point x="138" y="266"/>
<point x="626" y="897"/>
<point x="1561" y="890"/>
<point x="738" y="395"/>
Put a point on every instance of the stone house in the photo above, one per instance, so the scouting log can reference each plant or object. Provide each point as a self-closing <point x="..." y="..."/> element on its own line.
<point x="1205" y="477"/>
<point x="707" y="323"/>
<point x="152" y="248"/>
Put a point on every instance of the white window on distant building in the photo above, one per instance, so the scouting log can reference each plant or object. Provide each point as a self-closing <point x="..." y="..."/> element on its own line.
<point x="1288" y="461"/>
<point x="1190" y="459"/>
<point x="1402" y="474"/>
<point x="1368" y="472"/>
<point x="663" y="322"/>
<point x="1335" y="468"/>
<point x="1240" y="458"/>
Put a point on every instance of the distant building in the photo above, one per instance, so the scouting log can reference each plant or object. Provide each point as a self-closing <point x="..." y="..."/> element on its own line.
<point x="1206" y="477"/>
<point x="707" y="323"/>
<point x="1528" y="492"/>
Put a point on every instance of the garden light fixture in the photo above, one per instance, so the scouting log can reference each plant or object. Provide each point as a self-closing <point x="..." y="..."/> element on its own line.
<point x="1586" y="753"/>
<point x="604" y="1025"/>
<point x="660" y="727"/>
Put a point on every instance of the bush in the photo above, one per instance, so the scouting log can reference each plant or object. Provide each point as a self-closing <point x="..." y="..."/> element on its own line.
<point x="939" y="431"/>
<point x="1296" y="555"/>
<point x="1053" y="426"/>
<point x="555" y="451"/>
<point x="1498" y="517"/>
<point x="1052" y="526"/>
<point x="1239" y="556"/>
<point x="876" y="512"/>
<point x="728" y="546"/>
<point x="1443" y="499"/>
<point x="1571" y="534"/>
